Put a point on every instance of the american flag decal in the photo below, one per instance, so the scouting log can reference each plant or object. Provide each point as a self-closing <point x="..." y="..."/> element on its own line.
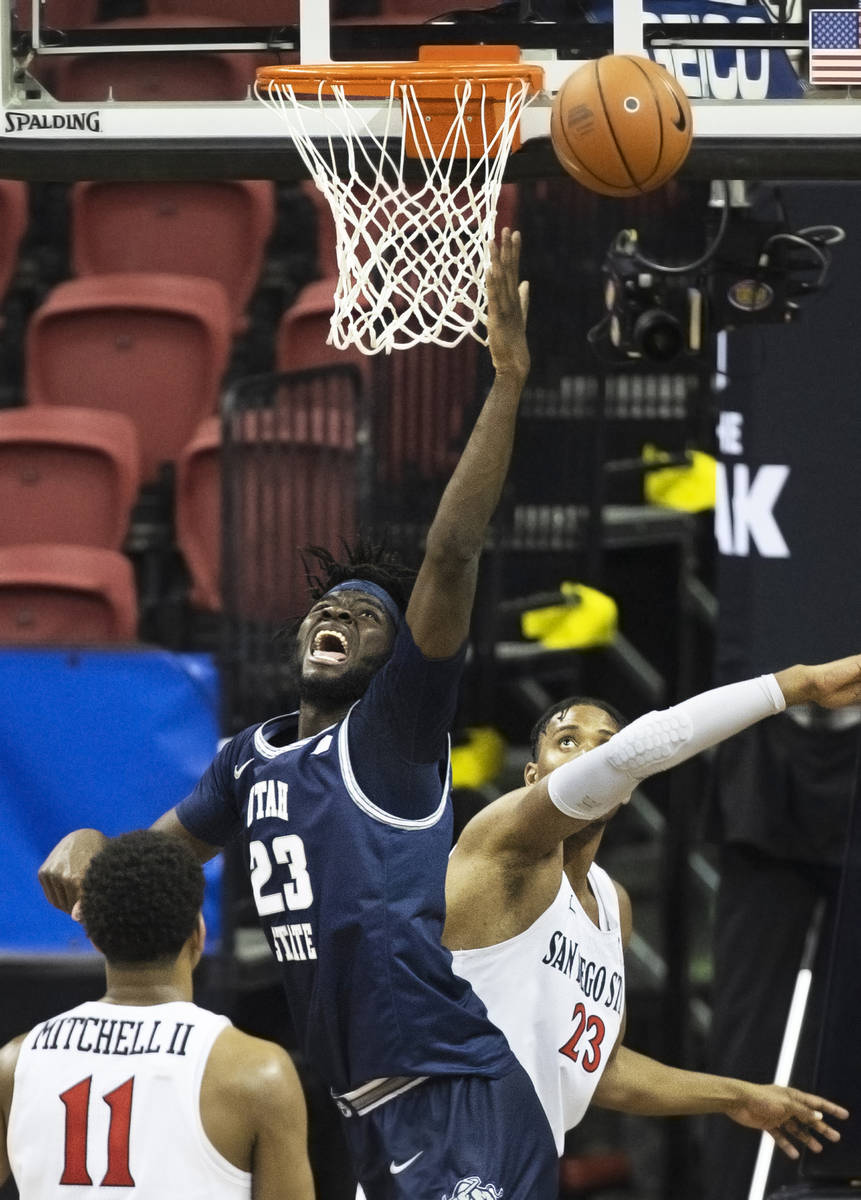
<point x="835" y="46"/>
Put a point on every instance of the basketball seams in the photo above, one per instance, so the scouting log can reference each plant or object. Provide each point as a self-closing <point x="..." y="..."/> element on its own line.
<point x="602" y="94"/>
<point x="641" y="183"/>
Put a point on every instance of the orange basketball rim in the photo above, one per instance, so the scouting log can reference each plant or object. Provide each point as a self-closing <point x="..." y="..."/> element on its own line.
<point x="477" y="78"/>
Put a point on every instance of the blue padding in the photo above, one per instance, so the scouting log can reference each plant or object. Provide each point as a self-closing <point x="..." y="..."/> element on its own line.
<point x="100" y="738"/>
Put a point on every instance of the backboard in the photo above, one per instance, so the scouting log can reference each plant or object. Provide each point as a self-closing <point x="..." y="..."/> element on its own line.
<point x="742" y="62"/>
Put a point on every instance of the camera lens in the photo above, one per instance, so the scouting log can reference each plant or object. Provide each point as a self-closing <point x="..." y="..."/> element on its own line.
<point x="658" y="335"/>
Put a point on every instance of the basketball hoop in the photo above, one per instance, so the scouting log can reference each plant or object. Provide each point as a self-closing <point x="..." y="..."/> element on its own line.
<point x="412" y="252"/>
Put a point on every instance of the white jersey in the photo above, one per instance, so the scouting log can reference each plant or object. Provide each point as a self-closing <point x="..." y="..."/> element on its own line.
<point x="557" y="992"/>
<point x="108" y="1096"/>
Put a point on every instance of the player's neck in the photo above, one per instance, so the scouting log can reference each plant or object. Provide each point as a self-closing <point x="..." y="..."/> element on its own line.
<point x="313" y="717"/>
<point x="147" y="985"/>
<point x="578" y="854"/>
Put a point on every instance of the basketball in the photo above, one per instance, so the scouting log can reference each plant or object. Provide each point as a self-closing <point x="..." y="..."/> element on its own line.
<point x="621" y="125"/>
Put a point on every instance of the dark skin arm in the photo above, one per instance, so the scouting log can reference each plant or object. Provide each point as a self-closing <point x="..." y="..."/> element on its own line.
<point x="253" y="1111"/>
<point x="633" y="1083"/>
<point x="8" y="1061"/>
<point x="440" y="606"/>
<point x="62" y="872"/>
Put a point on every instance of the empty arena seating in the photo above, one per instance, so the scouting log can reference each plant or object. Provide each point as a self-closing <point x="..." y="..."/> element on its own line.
<point x="67" y="475"/>
<point x="419" y="395"/>
<point x="198" y="513"/>
<point x="60" y="594"/>
<point x="327" y="259"/>
<point x="13" y="225"/>
<point x="291" y="481"/>
<point x="291" y="458"/>
<point x="152" y="346"/>
<point x="422" y="400"/>
<point x="217" y="229"/>
<point x="300" y="339"/>
<point x="192" y="75"/>
<point x="295" y="474"/>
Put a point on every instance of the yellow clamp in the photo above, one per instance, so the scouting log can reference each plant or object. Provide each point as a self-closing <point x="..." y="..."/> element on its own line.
<point x="479" y="760"/>
<point x="589" y="618"/>
<point x="688" y="489"/>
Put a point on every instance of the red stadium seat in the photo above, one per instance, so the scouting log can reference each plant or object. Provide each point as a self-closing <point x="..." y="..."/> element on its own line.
<point x="217" y="229"/>
<point x="58" y="594"/>
<point x="198" y="513"/>
<point x="154" y="347"/>
<point x="192" y="75"/>
<point x="423" y="397"/>
<point x="420" y="394"/>
<point x="291" y="479"/>
<point x="327" y="259"/>
<point x="300" y="340"/>
<point x="67" y="475"/>
<point x="14" y="216"/>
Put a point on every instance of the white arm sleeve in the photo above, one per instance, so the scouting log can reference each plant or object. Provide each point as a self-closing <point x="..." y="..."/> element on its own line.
<point x="592" y="785"/>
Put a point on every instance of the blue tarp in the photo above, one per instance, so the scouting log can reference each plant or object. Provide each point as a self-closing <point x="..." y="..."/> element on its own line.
<point x="100" y="738"/>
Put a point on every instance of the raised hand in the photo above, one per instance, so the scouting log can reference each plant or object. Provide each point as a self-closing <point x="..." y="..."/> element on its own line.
<point x="787" y="1114"/>
<point x="831" y="685"/>
<point x="62" y="872"/>
<point x="507" y="305"/>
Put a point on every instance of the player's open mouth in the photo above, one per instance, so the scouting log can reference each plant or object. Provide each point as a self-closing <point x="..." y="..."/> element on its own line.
<point x="328" y="646"/>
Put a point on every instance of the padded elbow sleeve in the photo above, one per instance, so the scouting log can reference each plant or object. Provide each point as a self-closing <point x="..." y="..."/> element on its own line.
<point x="592" y="785"/>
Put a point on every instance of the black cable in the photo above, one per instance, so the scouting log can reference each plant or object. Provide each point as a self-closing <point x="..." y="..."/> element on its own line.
<point x="705" y="257"/>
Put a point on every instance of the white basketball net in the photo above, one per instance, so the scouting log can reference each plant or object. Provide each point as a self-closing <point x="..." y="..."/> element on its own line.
<point x="412" y="256"/>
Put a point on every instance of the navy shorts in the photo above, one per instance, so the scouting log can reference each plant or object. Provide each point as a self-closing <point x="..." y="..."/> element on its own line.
<point x="462" y="1137"/>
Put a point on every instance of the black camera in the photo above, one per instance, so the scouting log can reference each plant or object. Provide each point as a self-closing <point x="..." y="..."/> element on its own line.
<point x="651" y="316"/>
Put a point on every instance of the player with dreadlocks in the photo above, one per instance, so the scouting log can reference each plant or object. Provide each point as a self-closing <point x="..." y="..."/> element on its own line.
<point x="345" y="814"/>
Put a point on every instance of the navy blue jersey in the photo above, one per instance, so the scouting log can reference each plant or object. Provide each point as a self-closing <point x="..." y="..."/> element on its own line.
<point x="347" y="859"/>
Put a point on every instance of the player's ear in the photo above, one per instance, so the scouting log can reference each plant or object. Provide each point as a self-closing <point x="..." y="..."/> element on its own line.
<point x="530" y="773"/>
<point x="198" y="937"/>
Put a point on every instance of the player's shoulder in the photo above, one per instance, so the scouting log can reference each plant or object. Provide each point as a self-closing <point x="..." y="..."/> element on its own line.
<point x="8" y="1062"/>
<point x="251" y="1069"/>
<point x="11" y="1050"/>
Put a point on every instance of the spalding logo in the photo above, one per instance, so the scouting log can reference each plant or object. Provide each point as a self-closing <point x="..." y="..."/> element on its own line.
<point x="581" y="118"/>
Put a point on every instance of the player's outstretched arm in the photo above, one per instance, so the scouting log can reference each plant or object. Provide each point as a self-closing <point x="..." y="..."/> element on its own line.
<point x="8" y="1062"/>
<point x="441" y="602"/>
<point x="634" y="1083"/>
<point x="253" y="1111"/>
<point x="533" y="821"/>
<point x="62" y="872"/>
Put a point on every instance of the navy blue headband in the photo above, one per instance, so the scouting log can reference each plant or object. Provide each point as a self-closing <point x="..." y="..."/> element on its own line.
<point x="371" y="589"/>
